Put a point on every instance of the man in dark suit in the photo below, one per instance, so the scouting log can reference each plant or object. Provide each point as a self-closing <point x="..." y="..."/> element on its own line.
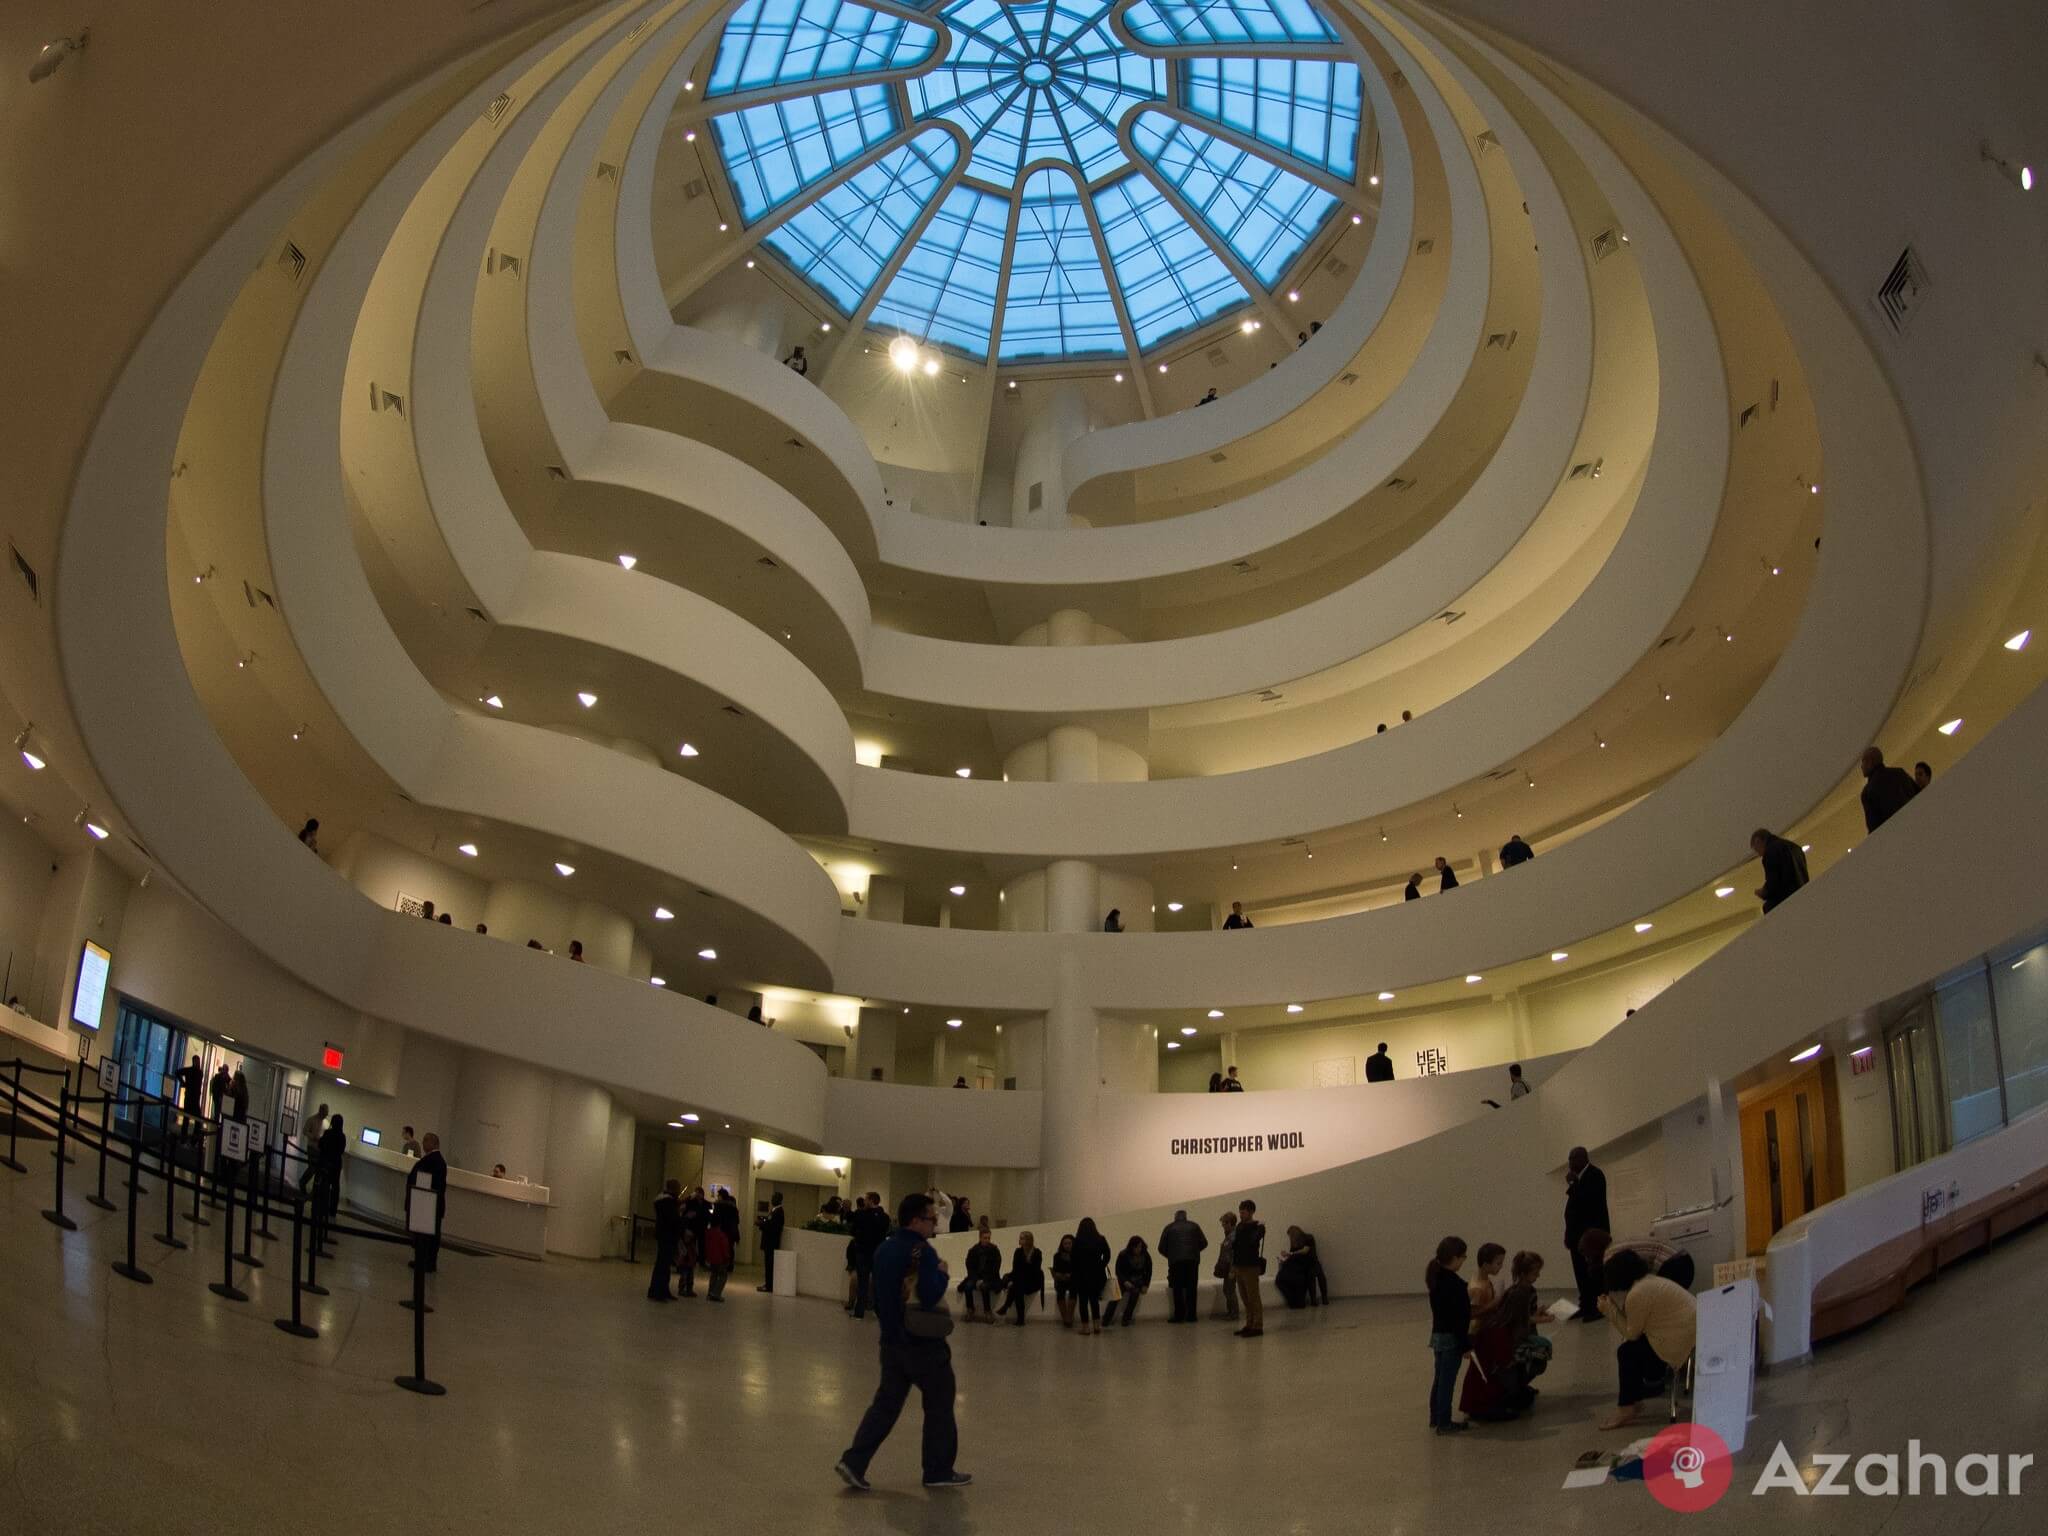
<point x="1885" y="790"/>
<point x="668" y="1235"/>
<point x="1585" y="1207"/>
<point x="1412" y="891"/>
<point x="1181" y="1245"/>
<point x="333" y="1148"/>
<point x="771" y="1239"/>
<point x="870" y="1228"/>
<point x="429" y="1174"/>
<point x="1447" y="878"/>
<point x="1784" y="866"/>
<point x="1514" y="851"/>
<point x="1379" y="1066"/>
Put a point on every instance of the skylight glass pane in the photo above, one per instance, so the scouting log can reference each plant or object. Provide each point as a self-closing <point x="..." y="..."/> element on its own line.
<point x="945" y="292"/>
<point x="843" y="240"/>
<point x="1171" y="280"/>
<point x="1058" y="303"/>
<point x="773" y="152"/>
<point x="1171" y="23"/>
<point x="1263" y="213"/>
<point x="782" y="42"/>
<point x="1308" y="107"/>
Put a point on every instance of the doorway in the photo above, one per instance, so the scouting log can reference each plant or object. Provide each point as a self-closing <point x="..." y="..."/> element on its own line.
<point x="1791" y="1157"/>
<point x="1919" y="1101"/>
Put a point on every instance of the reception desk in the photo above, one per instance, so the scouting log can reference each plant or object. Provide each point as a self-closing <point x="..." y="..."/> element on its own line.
<point x="498" y="1214"/>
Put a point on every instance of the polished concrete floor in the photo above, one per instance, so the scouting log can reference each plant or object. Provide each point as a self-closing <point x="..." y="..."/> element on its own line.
<point x="575" y="1404"/>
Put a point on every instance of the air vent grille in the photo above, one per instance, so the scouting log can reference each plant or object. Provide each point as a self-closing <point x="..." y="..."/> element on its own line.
<point x="292" y="261"/>
<point x="693" y="189"/>
<point x="1400" y="483"/>
<point x="1218" y="458"/>
<point x="500" y="105"/>
<point x="1903" y="291"/>
<point x="1216" y="357"/>
<point x="767" y="562"/>
<point x="735" y="711"/>
<point x="1605" y="244"/>
<point x="1424" y="246"/>
<point x="1336" y="266"/>
<point x="27" y="573"/>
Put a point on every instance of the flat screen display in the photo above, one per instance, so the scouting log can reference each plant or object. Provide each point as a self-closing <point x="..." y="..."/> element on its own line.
<point x="372" y="1137"/>
<point x="90" y="995"/>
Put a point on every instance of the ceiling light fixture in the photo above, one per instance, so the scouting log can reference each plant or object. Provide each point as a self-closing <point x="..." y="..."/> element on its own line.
<point x="707" y="954"/>
<point x="587" y="700"/>
<point x="686" y="750"/>
<point x="1246" y="327"/>
<point x="657" y="981"/>
<point x="825" y="325"/>
<point x="1808" y="1054"/>
<point x="467" y="850"/>
<point x="903" y="353"/>
<point x="1215" y="1013"/>
<point x="690" y="136"/>
<point x="1373" y="180"/>
<point x="663" y="915"/>
<point x="1559" y="954"/>
<point x="954" y="1023"/>
<point x="750" y="263"/>
<point x="1644" y="927"/>
<point x="1162" y="367"/>
<point x="1294" y="295"/>
<point x="2019" y="641"/>
<point x="723" y="228"/>
<point x="963" y="773"/>
<point x="564" y="870"/>
<point x="688" y="1119"/>
<point x="2021" y="176"/>
<point x="99" y="832"/>
<point x="1119" y="378"/>
<point x="1723" y="892"/>
<point x="27" y="755"/>
<point x="1188" y="1029"/>
<point x="957" y="890"/>
<point x="1173" y="1045"/>
<point x="931" y="367"/>
<point x="1386" y="997"/>
<point x="1474" y="979"/>
<point x="629" y="561"/>
<point x="492" y="700"/>
<point x="1951" y="727"/>
<point x="1294" y="1007"/>
<point x="1173" y="906"/>
<point x="1357" y="218"/>
<point x="343" y="1081"/>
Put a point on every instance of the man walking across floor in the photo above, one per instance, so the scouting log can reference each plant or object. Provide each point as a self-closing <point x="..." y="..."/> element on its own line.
<point x="1585" y="1208"/>
<point x="1181" y="1245"/>
<point x="909" y="1276"/>
<point x="668" y="1236"/>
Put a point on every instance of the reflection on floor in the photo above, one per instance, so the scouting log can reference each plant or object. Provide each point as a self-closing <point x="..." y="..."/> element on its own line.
<point x="573" y="1401"/>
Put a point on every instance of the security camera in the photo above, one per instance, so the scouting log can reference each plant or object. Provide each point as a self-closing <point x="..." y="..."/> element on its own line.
<point x="53" y="55"/>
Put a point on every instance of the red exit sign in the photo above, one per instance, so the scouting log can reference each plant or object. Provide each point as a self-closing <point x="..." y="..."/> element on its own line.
<point x="330" y="1058"/>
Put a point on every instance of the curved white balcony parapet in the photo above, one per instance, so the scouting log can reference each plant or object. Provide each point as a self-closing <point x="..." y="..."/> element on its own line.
<point x="906" y="1123"/>
<point x="1270" y="398"/>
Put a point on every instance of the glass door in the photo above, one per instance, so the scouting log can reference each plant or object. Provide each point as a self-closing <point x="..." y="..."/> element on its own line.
<point x="1919" y="1106"/>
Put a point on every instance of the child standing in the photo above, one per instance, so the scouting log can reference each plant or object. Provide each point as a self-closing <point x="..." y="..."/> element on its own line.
<point x="1450" y="1329"/>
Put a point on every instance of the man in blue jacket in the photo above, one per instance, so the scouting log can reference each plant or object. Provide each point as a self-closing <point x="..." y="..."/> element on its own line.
<point x="909" y="1361"/>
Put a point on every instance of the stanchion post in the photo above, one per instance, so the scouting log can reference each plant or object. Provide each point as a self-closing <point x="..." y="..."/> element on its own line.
<point x="249" y="1220"/>
<point x="419" y="1381"/>
<point x="127" y="1268"/>
<point x="169" y="1236"/>
<point x="55" y="1214"/>
<point x="98" y="1198"/>
<point x="295" y="1325"/>
<point x="14" y="1124"/>
<point x="313" y="1287"/>
<point x="199" y="1179"/>
<point x="225" y="1287"/>
<point x="259" y="1168"/>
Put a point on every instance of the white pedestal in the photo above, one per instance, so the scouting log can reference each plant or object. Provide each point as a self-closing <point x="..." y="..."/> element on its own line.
<point x="785" y="1272"/>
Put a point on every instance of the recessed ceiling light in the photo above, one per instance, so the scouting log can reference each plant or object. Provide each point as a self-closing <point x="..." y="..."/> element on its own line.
<point x="662" y="914"/>
<point x="1862" y="1050"/>
<point x="494" y="701"/>
<point x="1813" y="490"/>
<point x="1808" y="1054"/>
<point x="687" y="750"/>
<point x="343" y="1081"/>
<point x="1806" y="847"/>
<point x="1373" y="180"/>
<point x="1294" y="296"/>
<point x="903" y="353"/>
<point x="689" y="85"/>
<point x="1188" y="1029"/>
<point x="1246" y="327"/>
<point x="723" y="228"/>
<point x="1119" y="378"/>
<point x="229" y="1038"/>
<point x="1724" y="891"/>
<point x="707" y="954"/>
<point x="690" y="137"/>
<point x="1559" y="954"/>
<point x="954" y="1023"/>
<point x="1294" y="1007"/>
<point x="1386" y="997"/>
<point x="32" y="760"/>
<point x="1215" y="1013"/>
<point x="467" y="850"/>
<point x="96" y="830"/>
<point x="1013" y="383"/>
<point x="1474" y="979"/>
<point x="957" y="890"/>
<point x="1162" y="367"/>
<point x="675" y="1125"/>
<point x="1173" y="906"/>
<point x="1643" y="927"/>
<point x="688" y="1119"/>
<point x="2019" y="641"/>
<point x="564" y="870"/>
<point x="825" y="325"/>
<point x="963" y="773"/>
<point x="1951" y="727"/>
<point x="1173" y="1045"/>
<point x="657" y="981"/>
<point x="587" y="700"/>
<point x="750" y="263"/>
<point x="629" y="561"/>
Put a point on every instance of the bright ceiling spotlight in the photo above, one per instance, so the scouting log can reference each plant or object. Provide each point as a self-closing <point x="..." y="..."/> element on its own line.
<point x="1188" y="1029"/>
<point x="1162" y="367"/>
<point x="564" y="870"/>
<point x="1294" y="1007"/>
<point x="686" y="750"/>
<point x="723" y="228"/>
<point x="1644" y="927"/>
<point x="1723" y="892"/>
<point x="1013" y="383"/>
<point x="954" y="1023"/>
<point x="903" y="353"/>
<point x="1173" y="906"/>
<point x="629" y="561"/>
<point x="657" y="981"/>
<point x="663" y="915"/>
<point x="1294" y="295"/>
<point x="587" y="700"/>
<point x="467" y="850"/>
<point x="687" y="1119"/>
<point x="1386" y="997"/>
<point x="931" y="367"/>
<point x="1173" y="1045"/>
<point x="707" y="954"/>
<point x="27" y="754"/>
<point x="1357" y="218"/>
<point x="1813" y="490"/>
<point x="51" y="56"/>
<point x="1215" y="1013"/>
<point x="99" y="832"/>
<point x="2019" y="641"/>
<point x="750" y="263"/>
<point x="690" y="136"/>
<point x="963" y="773"/>
<point x="1248" y="326"/>
<point x="957" y="890"/>
<point x="1373" y="180"/>
<point x="1474" y="979"/>
<point x="493" y="701"/>
<point x="1808" y="1054"/>
<point x="1559" y="954"/>
<point x="1119" y="378"/>
<point x="825" y="325"/>
<point x="1949" y="728"/>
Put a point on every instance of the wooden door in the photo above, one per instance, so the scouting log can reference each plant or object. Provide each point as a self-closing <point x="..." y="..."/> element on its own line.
<point x="1788" y="1161"/>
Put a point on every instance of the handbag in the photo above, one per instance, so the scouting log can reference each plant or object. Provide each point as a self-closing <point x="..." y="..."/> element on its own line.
<point x="920" y="1321"/>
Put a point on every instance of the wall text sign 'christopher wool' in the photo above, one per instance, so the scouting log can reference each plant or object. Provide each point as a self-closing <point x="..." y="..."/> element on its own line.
<point x="1219" y="1146"/>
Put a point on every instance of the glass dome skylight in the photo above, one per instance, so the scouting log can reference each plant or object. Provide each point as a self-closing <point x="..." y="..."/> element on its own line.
<point x="1026" y="177"/>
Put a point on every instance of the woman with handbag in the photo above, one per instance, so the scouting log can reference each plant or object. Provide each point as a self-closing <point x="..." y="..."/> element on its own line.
<point x="1026" y="1278"/>
<point x="1091" y="1273"/>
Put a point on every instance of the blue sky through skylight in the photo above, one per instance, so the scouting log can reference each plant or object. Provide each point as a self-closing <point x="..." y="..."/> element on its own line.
<point x="1264" y="213"/>
<point x="782" y="42"/>
<point x="844" y="240"/>
<point x="1167" y="24"/>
